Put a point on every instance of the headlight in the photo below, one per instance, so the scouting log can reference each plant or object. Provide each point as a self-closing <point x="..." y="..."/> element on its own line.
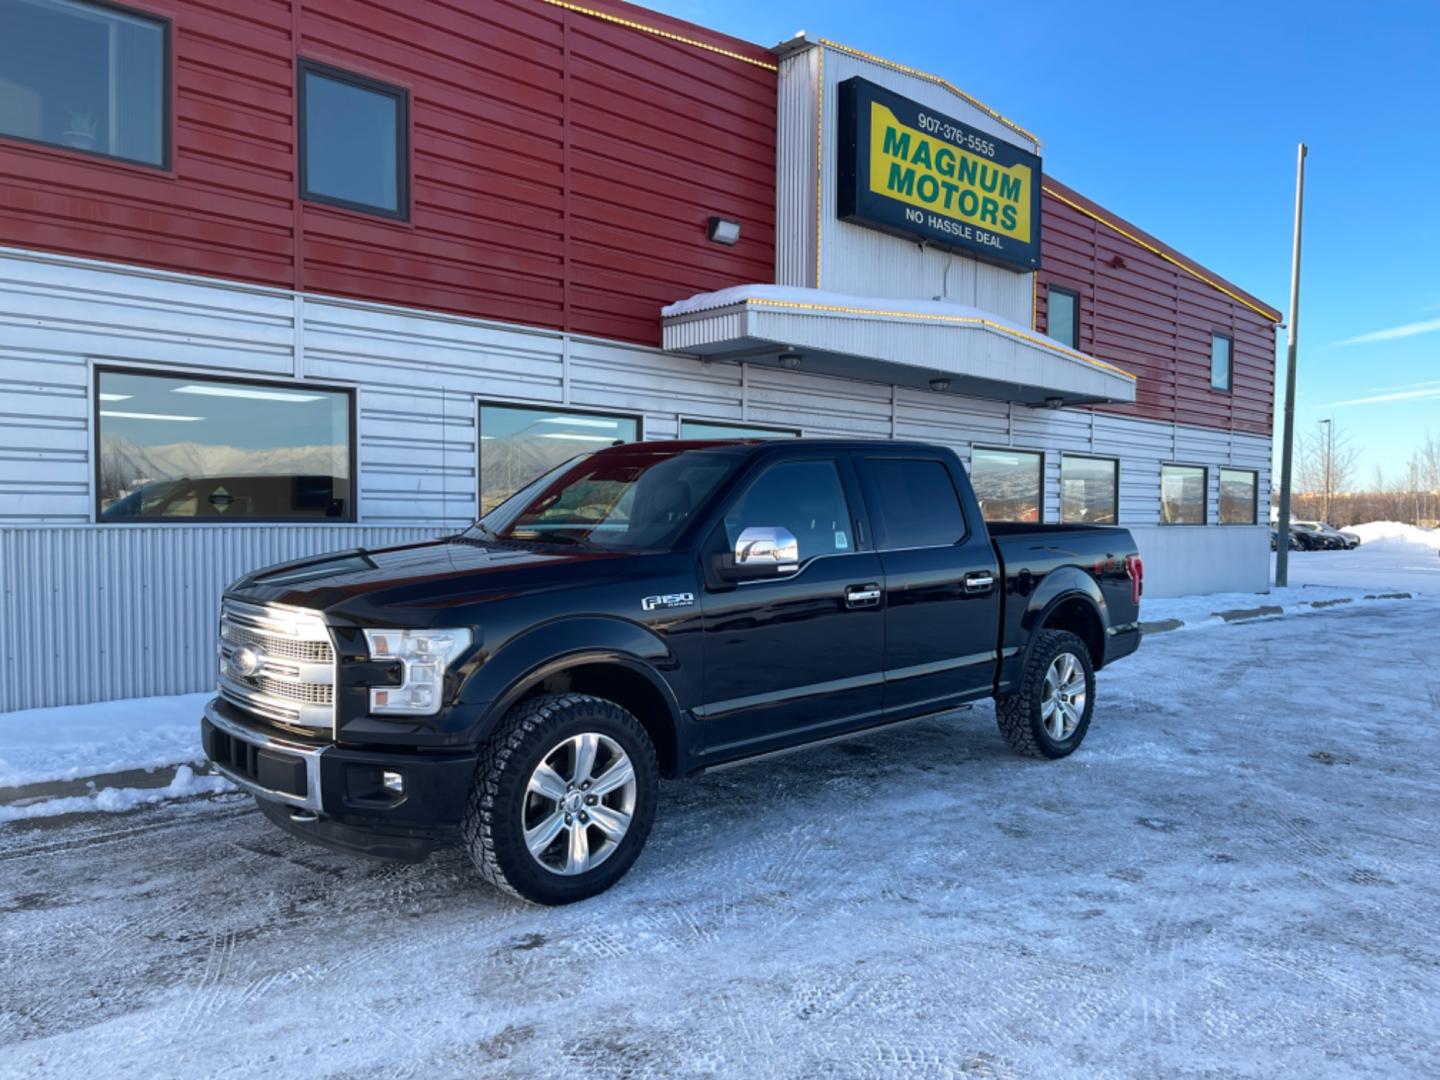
<point x="424" y="655"/>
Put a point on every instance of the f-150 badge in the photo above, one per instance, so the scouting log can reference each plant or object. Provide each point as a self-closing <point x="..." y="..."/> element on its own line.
<point x="670" y="600"/>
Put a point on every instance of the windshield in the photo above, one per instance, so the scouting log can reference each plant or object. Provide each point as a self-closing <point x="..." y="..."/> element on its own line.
<point x="632" y="498"/>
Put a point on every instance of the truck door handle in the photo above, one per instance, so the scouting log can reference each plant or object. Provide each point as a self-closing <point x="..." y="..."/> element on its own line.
<point x="980" y="581"/>
<point x="862" y="595"/>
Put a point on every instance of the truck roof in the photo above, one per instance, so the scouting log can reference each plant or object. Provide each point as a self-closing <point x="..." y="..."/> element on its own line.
<point x="746" y="446"/>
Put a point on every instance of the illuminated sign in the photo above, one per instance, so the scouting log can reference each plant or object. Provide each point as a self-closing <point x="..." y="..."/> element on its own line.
<point x="908" y="170"/>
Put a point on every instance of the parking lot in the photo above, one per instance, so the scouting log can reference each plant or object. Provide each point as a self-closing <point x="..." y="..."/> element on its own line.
<point x="1238" y="873"/>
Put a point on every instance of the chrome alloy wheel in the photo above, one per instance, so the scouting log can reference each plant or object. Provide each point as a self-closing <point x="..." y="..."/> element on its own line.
<point x="578" y="804"/>
<point x="1064" y="700"/>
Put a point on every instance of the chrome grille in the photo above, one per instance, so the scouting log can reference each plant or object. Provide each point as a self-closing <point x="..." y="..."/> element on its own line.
<point x="316" y="652"/>
<point x="294" y="682"/>
<point x="305" y="693"/>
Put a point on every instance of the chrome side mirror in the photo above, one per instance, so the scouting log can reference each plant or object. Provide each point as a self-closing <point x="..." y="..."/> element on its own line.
<point x="762" y="551"/>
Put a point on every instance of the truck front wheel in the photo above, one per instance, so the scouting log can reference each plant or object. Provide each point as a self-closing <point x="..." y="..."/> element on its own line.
<point x="563" y="798"/>
<point x="1049" y="713"/>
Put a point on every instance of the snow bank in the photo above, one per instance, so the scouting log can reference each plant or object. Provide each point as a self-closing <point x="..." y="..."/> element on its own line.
<point x="1396" y="533"/>
<point x="117" y="800"/>
<point x="75" y="741"/>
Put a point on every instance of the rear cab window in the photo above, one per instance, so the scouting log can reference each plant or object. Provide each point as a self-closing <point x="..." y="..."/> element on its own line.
<point x="913" y="502"/>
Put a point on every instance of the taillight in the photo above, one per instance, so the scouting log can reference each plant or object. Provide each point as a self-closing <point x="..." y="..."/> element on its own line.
<point x="1135" y="567"/>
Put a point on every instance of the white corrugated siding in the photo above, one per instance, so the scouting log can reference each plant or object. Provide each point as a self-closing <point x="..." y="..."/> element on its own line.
<point x="795" y="170"/>
<point x="93" y="613"/>
<point x="96" y="612"/>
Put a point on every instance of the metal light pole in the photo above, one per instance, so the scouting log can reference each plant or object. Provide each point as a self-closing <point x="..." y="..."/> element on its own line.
<point x="1287" y="450"/>
<point x="1329" y="463"/>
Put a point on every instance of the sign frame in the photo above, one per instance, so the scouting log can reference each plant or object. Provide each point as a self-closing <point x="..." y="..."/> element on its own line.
<point x="952" y="230"/>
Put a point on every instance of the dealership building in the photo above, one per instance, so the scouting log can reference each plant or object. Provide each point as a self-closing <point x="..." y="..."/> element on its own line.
<point x="277" y="280"/>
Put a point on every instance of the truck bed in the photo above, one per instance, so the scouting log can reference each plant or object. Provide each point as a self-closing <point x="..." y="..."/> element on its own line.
<point x="1039" y="562"/>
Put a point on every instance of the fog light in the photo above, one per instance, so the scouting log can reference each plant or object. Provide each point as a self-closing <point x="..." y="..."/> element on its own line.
<point x="392" y="782"/>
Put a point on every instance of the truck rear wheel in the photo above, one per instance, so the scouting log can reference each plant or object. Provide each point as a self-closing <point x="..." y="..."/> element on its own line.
<point x="1048" y="715"/>
<point x="563" y="798"/>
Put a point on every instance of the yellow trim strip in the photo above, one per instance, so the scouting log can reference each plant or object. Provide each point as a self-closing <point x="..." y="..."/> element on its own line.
<point x="972" y="320"/>
<point x="1156" y="251"/>
<point x="631" y="24"/>
<point x="938" y="81"/>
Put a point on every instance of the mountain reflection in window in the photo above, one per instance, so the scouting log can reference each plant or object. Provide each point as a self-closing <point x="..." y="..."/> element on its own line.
<point x="519" y="443"/>
<point x="181" y="448"/>
<point x="1007" y="484"/>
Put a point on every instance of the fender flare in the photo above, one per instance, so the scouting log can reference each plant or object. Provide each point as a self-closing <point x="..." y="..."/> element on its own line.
<point x="1058" y="587"/>
<point x="550" y="648"/>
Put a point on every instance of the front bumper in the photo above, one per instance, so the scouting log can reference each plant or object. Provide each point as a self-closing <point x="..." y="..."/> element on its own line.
<point x="333" y="794"/>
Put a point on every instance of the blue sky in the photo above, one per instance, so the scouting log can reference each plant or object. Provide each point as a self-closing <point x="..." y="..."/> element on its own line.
<point x="1184" y="119"/>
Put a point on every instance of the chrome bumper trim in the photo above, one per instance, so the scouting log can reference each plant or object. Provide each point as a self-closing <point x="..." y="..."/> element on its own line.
<point x="310" y="755"/>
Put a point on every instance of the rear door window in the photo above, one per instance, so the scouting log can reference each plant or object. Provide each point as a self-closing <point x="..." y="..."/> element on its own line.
<point x="914" y="502"/>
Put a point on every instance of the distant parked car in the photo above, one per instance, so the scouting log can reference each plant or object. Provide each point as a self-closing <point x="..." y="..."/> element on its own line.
<point x="1342" y="540"/>
<point x="1317" y="536"/>
<point x="1295" y="544"/>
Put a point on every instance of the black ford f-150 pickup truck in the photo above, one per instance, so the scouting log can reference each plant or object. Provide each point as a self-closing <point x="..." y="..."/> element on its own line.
<point x="649" y="610"/>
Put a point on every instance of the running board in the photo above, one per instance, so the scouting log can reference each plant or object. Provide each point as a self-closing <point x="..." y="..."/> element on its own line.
<point x="845" y="736"/>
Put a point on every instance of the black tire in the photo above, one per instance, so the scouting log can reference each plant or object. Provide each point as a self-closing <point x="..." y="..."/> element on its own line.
<point x="493" y="828"/>
<point x="1020" y="714"/>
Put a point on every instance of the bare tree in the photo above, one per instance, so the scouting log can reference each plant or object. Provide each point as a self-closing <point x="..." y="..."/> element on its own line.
<point x="1327" y="461"/>
<point x="1423" y="477"/>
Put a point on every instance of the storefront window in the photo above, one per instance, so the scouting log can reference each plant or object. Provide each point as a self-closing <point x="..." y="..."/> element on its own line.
<point x="1062" y="319"/>
<point x="85" y="76"/>
<point x="353" y="134"/>
<point x="517" y="444"/>
<point x="177" y="447"/>
<point x="1007" y="483"/>
<point x="1182" y="495"/>
<point x="1089" y="490"/>
<point x="707" y="429"/>
<point x="1237" y="496"/>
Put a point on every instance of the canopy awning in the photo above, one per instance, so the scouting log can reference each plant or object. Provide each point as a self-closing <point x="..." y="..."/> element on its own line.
<point x="906" y="342"/>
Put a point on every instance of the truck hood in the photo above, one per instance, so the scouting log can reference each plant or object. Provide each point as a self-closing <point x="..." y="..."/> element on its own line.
<point x="424" y="584"/>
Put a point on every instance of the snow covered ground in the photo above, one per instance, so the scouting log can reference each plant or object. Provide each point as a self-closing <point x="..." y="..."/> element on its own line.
<point x="1238" y="874"/>
<point x="1391" y="556"/>
<point x="40" y="745"/>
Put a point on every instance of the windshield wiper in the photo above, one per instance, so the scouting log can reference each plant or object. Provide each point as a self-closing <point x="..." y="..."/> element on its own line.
<point x="555" y="538"/>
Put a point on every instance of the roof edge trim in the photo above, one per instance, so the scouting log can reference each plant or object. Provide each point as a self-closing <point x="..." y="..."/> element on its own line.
<point x="1193" y="271"/>
<point x="668" y="35"/>
<point x="904" y="69"/>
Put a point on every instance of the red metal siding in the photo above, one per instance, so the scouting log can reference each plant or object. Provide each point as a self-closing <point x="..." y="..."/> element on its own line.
<point x="1150" y="314"/>
<point x="563" y="167"/>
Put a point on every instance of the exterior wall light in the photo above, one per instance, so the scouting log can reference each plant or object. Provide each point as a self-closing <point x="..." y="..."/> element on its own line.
<point x="940" y="385"/>
<point x="790" y="360"/>
<point x="724" y="231"/>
